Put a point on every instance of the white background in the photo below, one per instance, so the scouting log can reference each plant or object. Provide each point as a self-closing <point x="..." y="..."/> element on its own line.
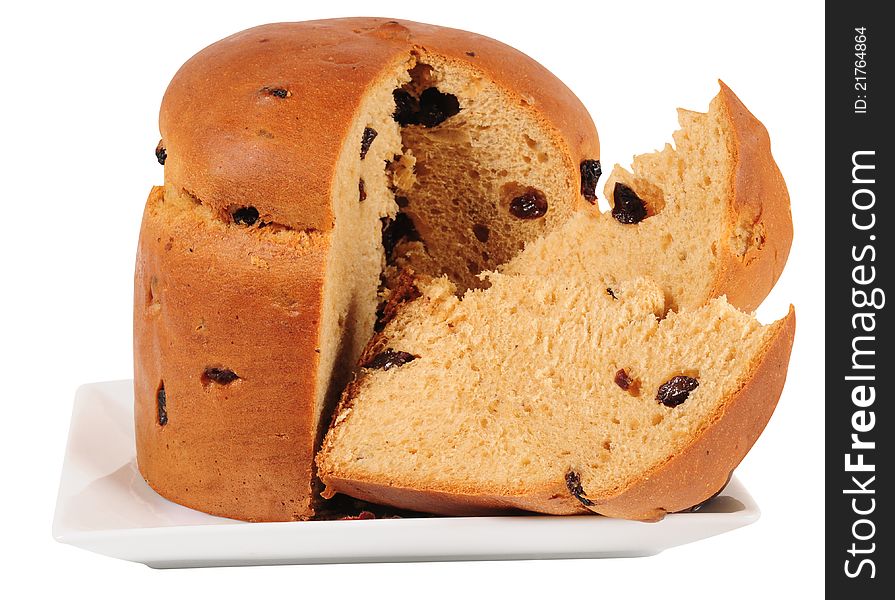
<point x="81" y="86"/>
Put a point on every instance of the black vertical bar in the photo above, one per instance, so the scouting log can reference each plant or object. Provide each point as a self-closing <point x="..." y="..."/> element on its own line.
<point x="860" y="439"/>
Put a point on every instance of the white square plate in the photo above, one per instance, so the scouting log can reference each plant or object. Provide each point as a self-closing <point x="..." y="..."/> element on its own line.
<point x="105" y="506"/>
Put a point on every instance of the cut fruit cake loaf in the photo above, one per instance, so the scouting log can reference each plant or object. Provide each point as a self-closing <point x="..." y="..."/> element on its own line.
<point x="568" y="386"/>
<point x="305" y="162"/>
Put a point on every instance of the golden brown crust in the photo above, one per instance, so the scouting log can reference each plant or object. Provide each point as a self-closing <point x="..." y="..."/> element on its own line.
<point x="235" y="301"/>
<point x="232" y="142"/>
<point x="759" y="208"/>
<point x="260" y="119"/>
<point x="455" y="504"/>
<point x="705" y="464"/>
<point x="698" y="472"/>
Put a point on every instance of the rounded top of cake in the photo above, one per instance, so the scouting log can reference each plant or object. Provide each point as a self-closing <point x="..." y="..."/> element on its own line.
<point x="259" y="119"/>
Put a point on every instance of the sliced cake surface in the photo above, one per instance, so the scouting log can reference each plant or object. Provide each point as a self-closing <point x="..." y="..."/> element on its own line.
<point x="555" y="394"/>
<point x="707" y="217"/>
<point x="606" y="367"/>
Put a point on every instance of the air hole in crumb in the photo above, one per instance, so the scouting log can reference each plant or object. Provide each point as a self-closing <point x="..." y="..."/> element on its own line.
<point x="657" y="419"/>
<point x="607" y="445"/>
<point x="481" y="232"/>
<point x="666" y="240"/>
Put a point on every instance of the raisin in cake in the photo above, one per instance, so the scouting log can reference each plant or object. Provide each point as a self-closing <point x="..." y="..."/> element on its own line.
<point x="305" y="162"/>
<point x="706" y="217"/>
<point x="569" y="385"/>
<point x="546" y="393"/>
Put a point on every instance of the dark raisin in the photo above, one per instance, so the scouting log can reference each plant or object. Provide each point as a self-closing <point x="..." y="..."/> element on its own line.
<point x="436" y="107"/>
<point x="247" y="215"/>
<point x="611" y="292"/>
<point x="276" y="91"/>
<point x="362" y="192"/>
<point x="628" y="207"/>
<point x="366" y="140"/>
<point x="161" y="401"/>
<point x="402" y="201"/>
<point x="470" y="54"/>
<point x="573" y="482"/>
<point x="481" y="232"/>
<point x="161" y="155"/>
<point x="530" y="205"/>
<point x="395" y="230"/>
<point x="623" y="380"/>
<point x="219" y="376"/>
<point x="676" y="390"/>
<point x="406" y="108"/>
<point x="590" y="176"/>
<point x="389" y="358"/>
